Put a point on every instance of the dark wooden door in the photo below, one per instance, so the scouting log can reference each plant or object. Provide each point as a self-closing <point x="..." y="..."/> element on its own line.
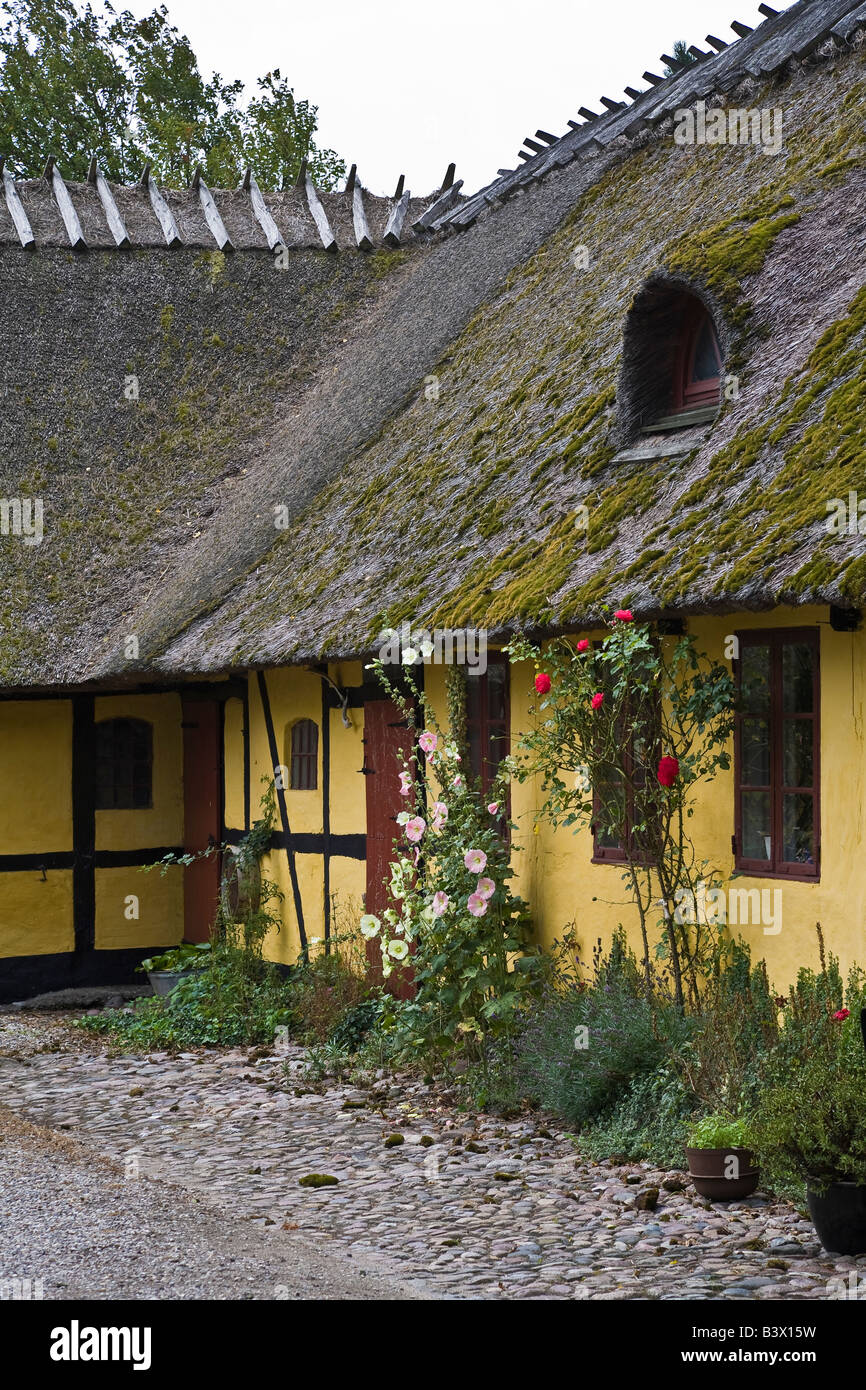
<point x="385" y="736"/>
<point x="202" y="811"/>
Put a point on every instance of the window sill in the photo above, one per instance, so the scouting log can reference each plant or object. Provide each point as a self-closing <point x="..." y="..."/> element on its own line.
<point x="777" y="874"/>
<point x="682" y="419"/>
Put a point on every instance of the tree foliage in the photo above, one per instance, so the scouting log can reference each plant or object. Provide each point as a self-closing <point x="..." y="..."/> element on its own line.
<point x="128" y="90"/>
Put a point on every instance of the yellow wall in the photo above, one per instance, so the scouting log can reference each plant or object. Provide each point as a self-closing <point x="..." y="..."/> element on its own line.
<point x="36" y="916"/>
<point x="296" y="693"/>
<point x="138" y="909"/>
<point x="35" y="776"/>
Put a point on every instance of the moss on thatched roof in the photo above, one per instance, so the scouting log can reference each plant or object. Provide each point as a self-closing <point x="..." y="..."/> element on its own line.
<point x="311" y="397"/>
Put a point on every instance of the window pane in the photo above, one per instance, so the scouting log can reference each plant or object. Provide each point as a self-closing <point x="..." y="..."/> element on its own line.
<point x="496" y="676"/>
<point x="755" y="678"/>
<point x="474" y="740"/>
<point x="797" y="825"/>
<point x="797" y="745"/>
<point x="755" y="753"/>
<point x="798" y="666"/>
<point x="497" y="748"/>
<point x="707" y="364"/>
<point x="756" y="825"/>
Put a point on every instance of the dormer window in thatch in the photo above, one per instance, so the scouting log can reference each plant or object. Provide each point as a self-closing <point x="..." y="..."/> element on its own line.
<point x="672" y="363"/>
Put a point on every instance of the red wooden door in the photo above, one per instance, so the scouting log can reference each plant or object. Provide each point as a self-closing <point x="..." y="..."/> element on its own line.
<point x="385" y="736"/>
<point x="202" y="812"/>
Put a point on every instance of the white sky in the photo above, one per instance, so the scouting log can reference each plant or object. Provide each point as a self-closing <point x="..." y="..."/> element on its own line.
<point x="406" y="87"/>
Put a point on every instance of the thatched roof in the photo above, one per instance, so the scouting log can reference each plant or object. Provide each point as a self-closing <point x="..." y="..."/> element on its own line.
<point x="300" y="396"/>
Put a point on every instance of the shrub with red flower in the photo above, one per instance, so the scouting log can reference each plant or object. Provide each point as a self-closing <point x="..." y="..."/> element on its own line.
<point x="583" y="644"/>
<point x="669" y="770"/>
<point x="841" y="1014"/>
<point x="542" y="683"/>
<point x="624" y="615"/>
<point x="597" y="700"/>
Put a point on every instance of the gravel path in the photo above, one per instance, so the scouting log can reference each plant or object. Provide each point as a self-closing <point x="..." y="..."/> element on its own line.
<point x="448" y="1204"/>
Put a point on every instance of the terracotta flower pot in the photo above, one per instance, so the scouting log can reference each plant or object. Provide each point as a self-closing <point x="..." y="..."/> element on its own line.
<point x="839" y="1214"/>
<point x="723" y="1175"/>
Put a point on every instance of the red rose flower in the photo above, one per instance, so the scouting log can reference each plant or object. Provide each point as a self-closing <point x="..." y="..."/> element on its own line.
<point x="668" y="772"/>
<point x="583" y="644"/>
<point x="542" y="683"/>
<point x="597" y="699"/>
<point x="841" y="1015"/>
<point x="624" y="615"/>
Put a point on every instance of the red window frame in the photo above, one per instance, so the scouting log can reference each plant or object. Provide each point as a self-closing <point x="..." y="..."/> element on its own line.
<point x="688" y="394"/>
<point x="481" y="725"/>
<point x="776" y="866"/>
<point x="304" y="770"/>
<point x="616" y="854"/>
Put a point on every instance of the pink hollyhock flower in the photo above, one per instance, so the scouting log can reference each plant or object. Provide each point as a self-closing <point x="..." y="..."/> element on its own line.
<point x="441" y="903"/>
<point x="429" y="742"/>
<point x="597" y="700"/>
<point x="457" y="783"/>
<point x="477" y="905"/>
<point x="486" y="888"/>
<point x="493" y="808"/>
<point x="669" y="770"/>
<point x="475" y="861"/>
<point x="440" y="811"/>
<point x="624" y="615"/>
<point x="583" y="644"/>
<point x="542" y="683"/>
<point x="415" y="829"/>
<point x="841" y="1015"/>
<point x="405" y="784"/>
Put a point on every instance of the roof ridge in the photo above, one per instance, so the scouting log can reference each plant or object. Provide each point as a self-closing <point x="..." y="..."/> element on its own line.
<point x="782" y="35"/>
<point x="194" y="217"/>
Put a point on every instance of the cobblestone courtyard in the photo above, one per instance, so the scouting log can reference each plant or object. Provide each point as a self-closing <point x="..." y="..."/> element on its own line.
<point x="451" y="1205"/>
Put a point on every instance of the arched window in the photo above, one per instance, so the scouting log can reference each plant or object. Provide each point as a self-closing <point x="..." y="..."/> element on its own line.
<point x="305" y="756"/>
<point x="672" y="363"/>
<point x="698" y="371"/>
<point x="124" y="765"/>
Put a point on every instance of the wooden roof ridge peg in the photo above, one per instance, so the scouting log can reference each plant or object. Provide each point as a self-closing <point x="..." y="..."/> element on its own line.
<point x="653" y="79"/>
<point x="19" y="217"/>
<point x="317" y="212"/>
<point x="718" y="44"/>
<point x="401" y="183"/>
<point x="533" y="145"/>
<point x="66" y="206"/>
<point x="741" y="30"/>
<point x="438" y="208"/>
<point x="164" y="214"/>
<point x="363" y="240"/>
<point x="546" y="136"/>
<point x="398" y="215"/>
<point x="448" y="181"/>
<point x="211" y="211"/>
<point x="767" y="11"/>
<point x="699" y="54"/>
<point x="262" y="212"/>
<point x="587" y="115"/>
<point x="673" y="63"/>
<point x="632" y="92"/>
<point x="611" y="104"/>
<point x="115" y="222"/>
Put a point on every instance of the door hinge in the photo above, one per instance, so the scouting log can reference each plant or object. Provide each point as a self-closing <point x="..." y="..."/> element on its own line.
<point x="734" y="846"/>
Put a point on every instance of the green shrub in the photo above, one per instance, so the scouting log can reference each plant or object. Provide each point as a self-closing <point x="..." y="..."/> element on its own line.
<point x="581" y="1047"/>
<point x="718" y="1132"/>
<point x="649" y="1121"/>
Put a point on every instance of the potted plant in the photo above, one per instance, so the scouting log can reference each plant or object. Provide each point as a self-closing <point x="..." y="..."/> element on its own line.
<point x="811" y="1129"/>
<point x="165" y="970"/>
<point x="721" y="1163"/>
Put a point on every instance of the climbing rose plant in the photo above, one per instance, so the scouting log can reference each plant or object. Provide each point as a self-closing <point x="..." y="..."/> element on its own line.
<point x="450" y="901"/>
<point x="627" y="729"/>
